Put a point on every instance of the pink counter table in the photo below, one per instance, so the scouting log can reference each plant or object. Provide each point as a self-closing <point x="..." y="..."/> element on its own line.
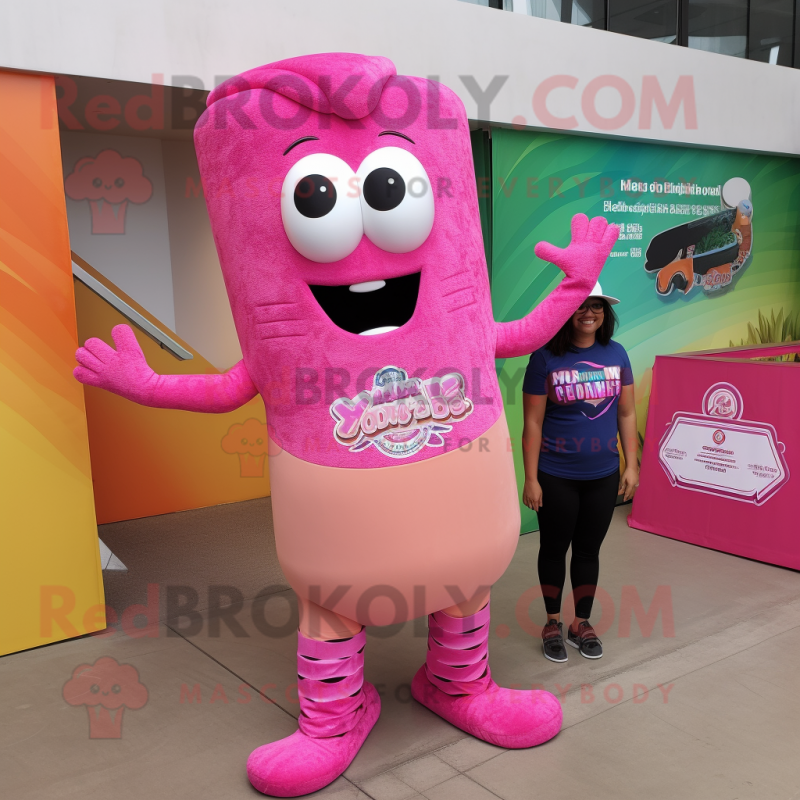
<point x="721" y="460"/>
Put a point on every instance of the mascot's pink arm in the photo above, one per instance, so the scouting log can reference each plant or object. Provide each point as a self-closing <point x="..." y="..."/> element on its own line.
<point x="581" y="262"/>
<point x="125" y="372"/>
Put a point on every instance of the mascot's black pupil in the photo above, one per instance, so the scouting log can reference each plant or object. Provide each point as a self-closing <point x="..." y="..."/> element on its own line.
<point x="384" y="189"/>
<point x="314" y="196"/>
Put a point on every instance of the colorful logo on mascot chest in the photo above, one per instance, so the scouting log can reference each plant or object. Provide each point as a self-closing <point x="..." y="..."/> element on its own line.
<point x="400" y="415"/>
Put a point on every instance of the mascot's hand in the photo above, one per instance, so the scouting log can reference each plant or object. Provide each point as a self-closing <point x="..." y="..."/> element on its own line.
<point x="587" y="252"/>
<point x="123" y="371"/>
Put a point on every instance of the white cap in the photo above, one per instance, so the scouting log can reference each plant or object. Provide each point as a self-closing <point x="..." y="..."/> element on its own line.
<point x="598" y="292"/>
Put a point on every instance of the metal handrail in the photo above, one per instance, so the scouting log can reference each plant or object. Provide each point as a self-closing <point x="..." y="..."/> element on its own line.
<point x="163" y="339"/>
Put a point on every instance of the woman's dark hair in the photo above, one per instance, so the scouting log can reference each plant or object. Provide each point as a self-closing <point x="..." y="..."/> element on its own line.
<point x="562" y="343"/>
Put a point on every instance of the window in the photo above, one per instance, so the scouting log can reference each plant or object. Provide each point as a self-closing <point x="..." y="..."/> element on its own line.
<point x="719" y="26"/>
<point x="770" y="37"/>
<point x="489" y="3"/>
<point x="589" y="13"/>
<point x="762" y="30"/>
<point x="546" y="9"/>
<point x="656" y="20"/>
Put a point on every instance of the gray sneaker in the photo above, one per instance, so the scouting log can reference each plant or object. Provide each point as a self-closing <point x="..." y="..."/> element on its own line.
<point x="586" y="641"/>
<point x="553" y="642"/>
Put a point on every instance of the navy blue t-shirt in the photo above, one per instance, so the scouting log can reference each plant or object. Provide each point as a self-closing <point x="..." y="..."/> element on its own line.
<point x="579" y="432"/>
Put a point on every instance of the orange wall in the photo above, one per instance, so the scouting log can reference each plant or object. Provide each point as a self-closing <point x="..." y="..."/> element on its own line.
<point x="148" y="461"/>
<point x="49" y="534"/>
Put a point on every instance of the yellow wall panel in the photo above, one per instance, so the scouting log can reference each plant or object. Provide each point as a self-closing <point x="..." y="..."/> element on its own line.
<point x="50" y="558"/>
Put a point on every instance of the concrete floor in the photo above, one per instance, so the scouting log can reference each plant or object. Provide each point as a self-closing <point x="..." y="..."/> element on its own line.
<point x="702" y="702"/>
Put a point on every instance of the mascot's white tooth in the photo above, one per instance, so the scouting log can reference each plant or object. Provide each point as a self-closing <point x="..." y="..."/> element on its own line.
<point x="367" y="286"/>
<point x="373" y="331"/>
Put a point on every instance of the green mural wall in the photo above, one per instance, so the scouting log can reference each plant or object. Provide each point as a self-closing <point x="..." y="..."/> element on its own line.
<point x="540" y="180"/>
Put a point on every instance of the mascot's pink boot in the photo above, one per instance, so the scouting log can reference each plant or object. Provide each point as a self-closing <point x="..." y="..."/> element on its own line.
<point x="456" y="683"/>
<point x="337" y="712"/>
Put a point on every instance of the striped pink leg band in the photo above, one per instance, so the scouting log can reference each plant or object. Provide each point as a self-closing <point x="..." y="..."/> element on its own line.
<point x="458" y="652"/>
<point x="330" y="676"/>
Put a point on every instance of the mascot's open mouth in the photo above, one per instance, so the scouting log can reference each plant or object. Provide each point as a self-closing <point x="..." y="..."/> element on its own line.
<point x="372" y="307"/>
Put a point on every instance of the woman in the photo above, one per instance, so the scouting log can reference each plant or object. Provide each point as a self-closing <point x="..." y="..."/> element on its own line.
<point x="578" y="394"/>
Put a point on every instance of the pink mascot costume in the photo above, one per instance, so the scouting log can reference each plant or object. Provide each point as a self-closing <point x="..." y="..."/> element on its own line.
<point x="343" y="204"/>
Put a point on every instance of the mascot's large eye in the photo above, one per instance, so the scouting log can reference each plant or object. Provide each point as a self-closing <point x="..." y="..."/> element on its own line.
<point x="320" y="208"/>
<point x="396" y="200"/>
<point x="314" y="196"/>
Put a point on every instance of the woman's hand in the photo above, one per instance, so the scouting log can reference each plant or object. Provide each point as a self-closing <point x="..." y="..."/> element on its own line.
<point x="532" y="494"/>
<point x="628" y="483"/>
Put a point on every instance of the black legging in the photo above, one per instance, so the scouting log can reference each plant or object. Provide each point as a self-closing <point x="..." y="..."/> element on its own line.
<point x="573" y="512"/>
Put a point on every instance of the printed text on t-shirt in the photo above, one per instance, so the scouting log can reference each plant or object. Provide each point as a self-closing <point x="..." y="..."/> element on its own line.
<point x="570" y="385"/>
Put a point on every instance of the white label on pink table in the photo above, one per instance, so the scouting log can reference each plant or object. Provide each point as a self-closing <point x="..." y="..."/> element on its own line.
<point x="718" y="453"/>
